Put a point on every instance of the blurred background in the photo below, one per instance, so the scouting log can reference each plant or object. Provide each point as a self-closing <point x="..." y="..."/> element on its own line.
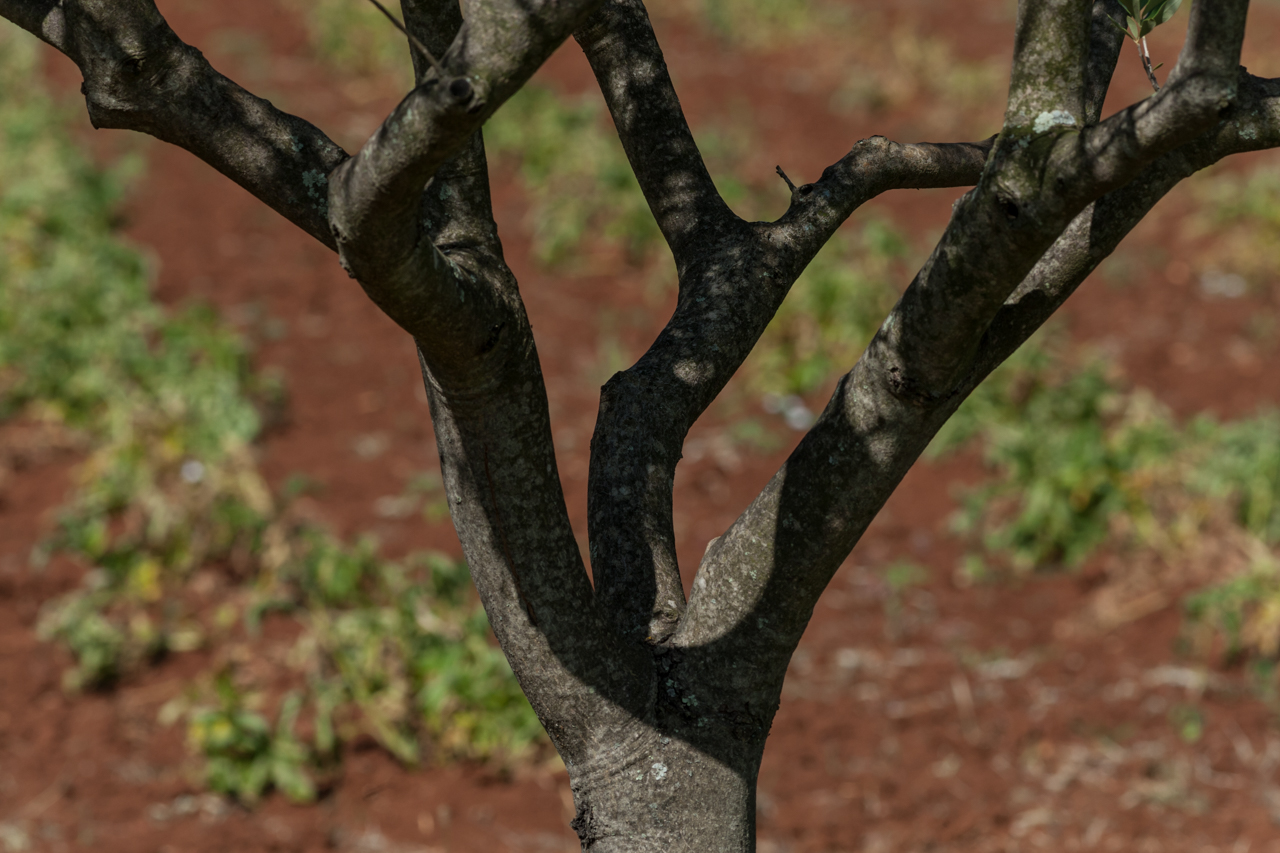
<point x="232" y="609"/>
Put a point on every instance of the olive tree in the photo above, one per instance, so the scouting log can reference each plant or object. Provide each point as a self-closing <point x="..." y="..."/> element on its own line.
<point x="659" y="704"/>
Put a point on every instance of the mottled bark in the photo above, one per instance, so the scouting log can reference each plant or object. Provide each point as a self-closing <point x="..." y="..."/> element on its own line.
<point x="661" y="707"/>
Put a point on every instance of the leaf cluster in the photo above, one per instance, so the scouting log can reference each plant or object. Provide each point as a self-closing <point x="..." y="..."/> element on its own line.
<point x="1143" y="16"/>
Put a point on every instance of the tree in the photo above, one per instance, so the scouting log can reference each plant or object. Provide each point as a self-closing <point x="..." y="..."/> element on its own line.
<point x="660" y="706"/>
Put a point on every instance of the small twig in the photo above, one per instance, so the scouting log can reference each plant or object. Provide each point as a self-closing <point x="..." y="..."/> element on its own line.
<point x="784" y="177"/>
<point x="419" y="46"/>
<point x="1146" y="64"/>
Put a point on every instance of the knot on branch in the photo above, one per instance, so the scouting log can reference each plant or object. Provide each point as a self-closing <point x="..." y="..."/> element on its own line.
<point x="119" y="84"/>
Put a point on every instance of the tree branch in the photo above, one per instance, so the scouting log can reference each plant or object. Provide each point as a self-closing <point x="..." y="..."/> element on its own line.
<point x="620" y="44"/>
<point x="1210" y="56"/>
<point x="504" y="494"/>
<point x="1105" y="41"/>
<point x="435" y="265"/>
<point x="1051" y="53"/>
<point x="871" y="167"/>
<point x="374" y="201"/>
<point x="1038" y="177"/>
<point x="759" y="582"/>
<point x="138" y="75"/>
<point x="728" y="295"/>
<point x="457" y="211"/>
<point x="375" y="196"/>
<point x="1051" y="58"/>
<point x="42" y="18"/>
<point x="1252" y="124"/>
<point x="1200" y="87"/>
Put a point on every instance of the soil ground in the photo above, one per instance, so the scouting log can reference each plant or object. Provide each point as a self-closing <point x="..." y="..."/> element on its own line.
<point x="890" y="736"/>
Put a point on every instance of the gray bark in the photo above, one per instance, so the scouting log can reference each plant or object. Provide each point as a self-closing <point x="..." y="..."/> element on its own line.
<point x="661" y="707"/>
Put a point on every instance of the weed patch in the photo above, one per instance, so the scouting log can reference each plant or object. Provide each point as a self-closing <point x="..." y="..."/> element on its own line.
<point x="1083" y="464"/>
<point x="168" y="407"/>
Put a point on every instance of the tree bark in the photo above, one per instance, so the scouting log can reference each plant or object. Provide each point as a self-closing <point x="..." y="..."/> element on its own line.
<point x="661" y="707"/>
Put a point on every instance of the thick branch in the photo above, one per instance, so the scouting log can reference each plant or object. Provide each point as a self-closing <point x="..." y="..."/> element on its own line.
<point x="457" y="211"/>
<point x="728" y="296"/>
<point x="433" y="262"/>
<point x="1105" y="42"/>
<point x="871" y="167"/>
<point x="1200" y="87"/>
<point x="1253" y="124"/>
<point x="1051" y="53"/>
<point x="1211" y="54"/>
<point x="620" y="44"/>
<point x="375" y="197"/>
<point x="1036" y="181"/>
<point x="504" y="496"/>
<point x="374" y="205"/>
<point x="41" y="18"/>
<point x="759" y="582"/>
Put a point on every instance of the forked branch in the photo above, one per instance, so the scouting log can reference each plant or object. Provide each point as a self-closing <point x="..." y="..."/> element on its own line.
<point x="758" y="583"/>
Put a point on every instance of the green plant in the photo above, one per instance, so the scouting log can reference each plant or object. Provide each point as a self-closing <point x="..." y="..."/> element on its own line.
<point x="166" y="404"/>
<point x="1187" y="721"/>
<point x="411" y="650"/>
<point x="1141" y="17"/>
<point x="1238" y="464"/>
<point x="467" y="696"/>
<point x="100" y="647"/>
<point x="1072" y="457"/>
<point x="243" y="755"/>
<point x="1243" y="611"/>
<point x="1080" y="462"/>
<point x="832" y="312"/>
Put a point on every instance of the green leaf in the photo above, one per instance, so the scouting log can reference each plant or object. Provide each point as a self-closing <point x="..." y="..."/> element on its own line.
<point x="1165" y="11"/>
<point x="1131" y="7"/>
<point x="293" y="781"/>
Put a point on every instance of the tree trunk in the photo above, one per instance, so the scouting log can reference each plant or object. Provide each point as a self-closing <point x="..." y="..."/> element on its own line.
<point x="650" y="792"/>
